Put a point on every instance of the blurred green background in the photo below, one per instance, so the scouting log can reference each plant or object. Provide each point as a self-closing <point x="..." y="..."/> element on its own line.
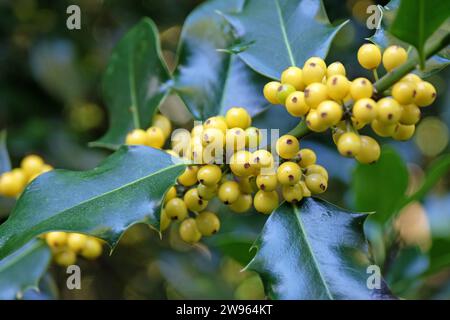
<point x="51" y="104"/>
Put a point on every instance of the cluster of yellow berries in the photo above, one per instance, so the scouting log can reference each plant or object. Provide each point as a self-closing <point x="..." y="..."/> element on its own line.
<point x="66" y="246"/>
<point x="229" y="163"/>
<point x="12" y="183"/>
<point x="328" y="100"/>
<point x="155" y="136"/>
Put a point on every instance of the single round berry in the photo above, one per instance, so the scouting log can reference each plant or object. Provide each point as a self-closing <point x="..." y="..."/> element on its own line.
<point x="193" y="201"/>
<point x="267" y="182"/>
<point x="229" y="192"/>
<point x="338" y="87"/>
<point x="283" y="92"/>
<point x="361" y="88"/>
<point x="287" y="146"/>
<point x="10" y="184"/>
<point x="209" y="175"/>
<point x="207" y="223"/>
<point x="197" y="151"/>
<point x="349" y="144"/>
<point x="189" y="232"/>
<point x="163" y="123"/>
<point x="270" y="91"/>
<point x="265" y="201"/>
<point x="296" y="105"/>
<point x="403" y="132"/>
<point x="330" y="112"/>
<point x="425" y="94"/>
<point x="293" y="193"/>
<point x="247" y="184"/>
<point x="289" y="173"/>
<point x="242" y="204"/>
<point x="318" y="61"/>
<point x="411" y="77"/>
<point x="32" y="165"/>
<point x="238" y="118"/>
<point x="181" y="141"/>
<point x="240" y="164"/>
<point x="217" y="122"/>
<point x="76" y="241"/>
<point x="155" y="137"/>
<point x="410" y="114"/>
<point x="313" y="72"/>
<point x="235" y="139"/>
<point x="262" y="159"/>
<point x="176" y="209"/>
<point x="252" y="137"/>
<point x="370" y="150"/>
<point x="393" y="57"/>
<point x="306" y="157"/>
<point x="336" y="68"/>
<point x="316" y="183"/>
<point x="164" y="221"/>
<point x="189" y="176"/>
<point x="56" y="239"/>
<point x="137" y="137"/>
<point x="381" y="129"/>
<point x="315" y="93"/>
<point x="65" y="258"/>
<point x="214" y="137"/>
<point x="388" y="111"/>
<point x="316" y="168"/>
<point x="305" y="191"/>
<point x="170" y="194"/>
<point x="207" y="192"/>
<point x="338" y="131"/>
<point x="315" y="122"/>
<point x="404" y="92"/>
<point x="369" y="56"/>
<point x="92" y="248"/>
<point x="294" y="77"/>
<point x="365" y="110"/>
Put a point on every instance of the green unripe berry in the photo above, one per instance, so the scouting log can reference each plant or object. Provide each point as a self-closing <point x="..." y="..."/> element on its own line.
<point x="283" y="92"/>
<point x="207" y="192"/>
<point x="207" y="223"/>
<point x="193" y="201"/>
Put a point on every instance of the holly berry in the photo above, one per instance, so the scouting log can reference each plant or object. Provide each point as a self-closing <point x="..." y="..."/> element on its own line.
<point x="170" y="194"/>
<point x="404" y="92"/>
<point x="270" y="91"/>
<point x="287" y="146"/>
<point x="330" y="112"/>
<point x="370" y="150"/>
<point x="393" y="57"/>
<point x="296" y="105"/>
<point x="189" y="232"/>
<point x="292" y="193"/>
<point x="381" y="129"/>
<point x="411" y="77"/>
<point x="189" y="176"/>
<point x="235" y="139"/>
<point x="32" y="165"/>
<point x="316" y="183"/>
<point x="164" y="221"/>
<point x="265" y="201"/>
<point x="56" y="239"/>
<point x="369" y="56"/>
<point x="318" y="61"/>
<point x="242" y="204"/>
<point x="252" y="137"/>
<point x="336" y="68"/>
<point x="207" y="223"/>
<point x="315" y="122"/>
<point x="305" y="191"/>
<point x="365" y="110"/>
<point x="193" y="201"/>
<point x="240" y="163"/>
<point x="176" y="209"/>
<point x="410" y="114"/>
<point x="289" y="173"/>
<point x="262" y="159"/>
<point x="294" y="77"/>
<point x="349" y="145"/>
<point x="315" y="93"/>
<point x="155" y="137"/>
<point x="214" y="136"/>
<point x="267" y="182"/>
<point x="338" y="87"/>
<point x="388" y="111"/>
<point x="216" y="123"/>
<point x="316" y="168"/>
<point x="403" y="132"/>
<point x="425" y="94"/>
<point x="238" y="118"/>
<point x="314" y="71"/>
<point x="163" y="123"/>
<point x="76" y="241"/>
<point x="306" y="157"/>
<point x="10" y="184"/>
<point x="361" y="88"/>
<point x="209" y="175"/>
<point x="229" y="192"/>
<point x="207" y="192"/>
<point x="283" y="92"/>
<point x="65" y="257"/>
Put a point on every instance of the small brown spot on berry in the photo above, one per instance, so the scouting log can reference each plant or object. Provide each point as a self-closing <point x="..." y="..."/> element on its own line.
<point x="363" y="81"/>
<point x="262" y="186"/>
<point x="433" y="94"/>
<point x="312" y="64"/>
<point x="257" y="159"/>
<point x="289" y="141"/>
<point x="247" y="165"/>
<point x="334" y="81"/>
<point x="200" y="201"/>
<point x="208" y="121"/>
<point x="349" y="153"/>
<point x="368" y="106"/>
<point x="294" y="99"/>
<point x="322" y="186"/>
<point x="323" y="114"/>
<point x="291" y="177"/>
<point x="306" y="92"/>
<point x="226" y="202"/>
<point x="414" y="93"/>
<point x="390" y="116"/>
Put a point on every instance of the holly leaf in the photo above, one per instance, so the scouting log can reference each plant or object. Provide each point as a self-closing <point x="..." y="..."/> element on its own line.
<point x="23" y="269"/>
<point x="282" y="33"/>
<point x="5" y="162"/>
<point x="315" y="250"/>
<point x="125" y="189"/>
<point x="133" y="83"/>
<point x="208" y="80"/>
<point x="417" y="20"/>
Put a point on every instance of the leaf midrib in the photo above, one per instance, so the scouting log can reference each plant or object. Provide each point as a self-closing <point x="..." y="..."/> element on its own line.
<point x="311" y="253"/>
<point x="284" y="33"/>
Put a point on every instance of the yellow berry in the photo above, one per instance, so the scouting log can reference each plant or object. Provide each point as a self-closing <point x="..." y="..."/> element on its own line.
<point x="163" y="123"/>
<point x="361" y="88"/>
<point x="294" y="77"/>
<point x="181" y="141"/>
<point x="265" y="201"/>
<point x="369" y="56"/>
<point x="403" y="132"/>
<point x="292" y="193"/>
<point x="235" y="139"/>
<point x="315" y="93"/>
<point x="56" y="239"/>
<point x="216" y="123"/>
<point x="365" y="110"/>
<point x="247" y="184"/>
<point x="252" y="137"/>
<point x="306" y="157"/>
<point x="65" y="257"/>
<point x="156" y="137"/>
<point x="411" y="77"/>
<point x="404" y="92"/>
<point x="164" y="222"/>
<point x="316" y="183"/>
<point x="197" y="130"/>
<point x="313" y="73"/>
<point x="238" y="118"/>
<point x="213" y="136"/>
<point x="193" y="201"/>
<point x="11" y="184"/>
<point x="283" y="92"/>
<point x="410" y="114"/>
<point x="316" y="168"/>
<point x="349" y="144"/>
<point x="92" y="249"/>
<point x="76" y="241"/>
<point x="242" y="204"/>
<point x="270" y="91"/>
<point x="370" y="150"/>
<point x="315" y="122"/>
<point x="330" y="112"/>
<point x="229" y="192"/>
<point x="318" y="61"/>
<point x="176" y="209"/>
<point x="207" y="223"/>
<point x="262" y="159"/>
<point x="207" y="192"/>
<point x="296" y="105"/>
<point x="189" y="176"/>
<point x="388" y="111"/>
<point x="425" y="94"/>
<point x="338" y="87"/>
<point x="305" y="190"/>
<point x="289" y="173"/>
<point x="287" y="146"/>
<point x="170" y="194"/>
<point x="393" y="57"/>
<point x="32" y="165"/>
<point x="189" y="231"/>
<point x="209" y="175"/>
<point x="267" y="182"/>
<point x="381" y="129"/>
<point x="336" y="68"/>
<point x="240" y="164"/>
<point x="196" y="150"/>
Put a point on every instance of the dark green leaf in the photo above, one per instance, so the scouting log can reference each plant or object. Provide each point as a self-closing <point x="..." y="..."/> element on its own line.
<point x="275" y="117"/>
<point x="23" y="269"/>
<point x="132" y="84"/>
<point x="282" y="33"/>
<point x="439" y="255"/>
<point x="125" y="189"/>
<point x="417" y="20"/>
<point x="314" y="251"/>
<point x="380" y="187"/>
<point x="5" y="162"/>
<point x="208" y="80"/>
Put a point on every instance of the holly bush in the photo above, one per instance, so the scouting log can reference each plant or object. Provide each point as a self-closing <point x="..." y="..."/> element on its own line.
<point x="264" y="97"/>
